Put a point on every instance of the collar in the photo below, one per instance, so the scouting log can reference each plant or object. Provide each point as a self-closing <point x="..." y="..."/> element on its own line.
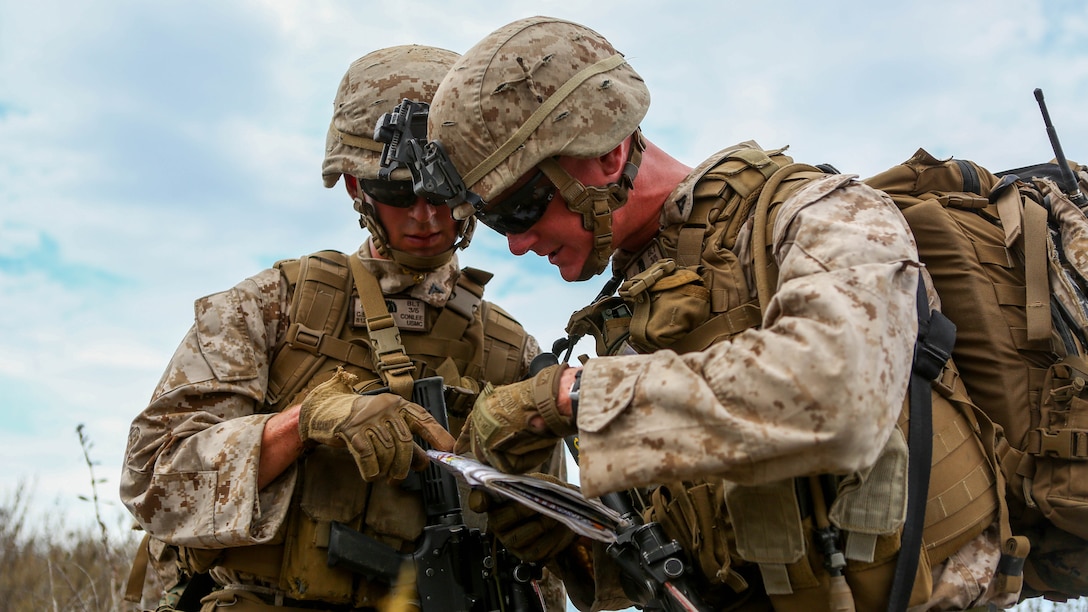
<point x="433" y="287"/>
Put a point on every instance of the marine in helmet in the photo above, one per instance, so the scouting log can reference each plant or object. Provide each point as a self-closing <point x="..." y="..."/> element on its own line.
<point x="756" y="357"/>
<point x="257" y="438"/>
<point x="416" y="239"/>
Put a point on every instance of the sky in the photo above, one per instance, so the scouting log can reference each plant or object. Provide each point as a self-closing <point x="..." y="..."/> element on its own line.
<point x="154" y="152"/>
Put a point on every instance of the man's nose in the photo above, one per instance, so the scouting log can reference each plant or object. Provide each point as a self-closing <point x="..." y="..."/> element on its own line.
<point x="520" y="244"/>
<point x="422" y="210"/>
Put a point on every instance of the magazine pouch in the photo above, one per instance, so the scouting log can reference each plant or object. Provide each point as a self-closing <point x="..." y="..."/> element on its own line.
<point x="667" y="302"/>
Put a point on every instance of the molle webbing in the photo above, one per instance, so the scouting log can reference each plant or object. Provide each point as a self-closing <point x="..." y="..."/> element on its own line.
<point x="732" y="188"/>
<point x="503" y="346"/>
<point x="462" y="305"/>
<point x="732" y="192"/>
<point x="319" y="311"/>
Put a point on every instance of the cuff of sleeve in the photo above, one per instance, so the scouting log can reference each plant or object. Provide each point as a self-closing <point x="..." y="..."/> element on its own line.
<point x="545" y="392"/>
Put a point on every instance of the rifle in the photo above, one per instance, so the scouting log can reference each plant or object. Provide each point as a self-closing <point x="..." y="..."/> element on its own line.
<point x="1066" y="181"/>
<point x="656" y="572"/>
<point x="457" y="568"/>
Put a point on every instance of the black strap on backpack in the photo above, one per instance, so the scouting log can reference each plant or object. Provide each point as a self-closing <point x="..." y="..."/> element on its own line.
<point x="932" y="349"/>
<point x="198" y="587"/>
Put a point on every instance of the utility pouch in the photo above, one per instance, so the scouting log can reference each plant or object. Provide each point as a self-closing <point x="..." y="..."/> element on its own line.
<point x="873" y="503"/>
<point x="331" y="491"/>
<point x="770" y="532"/>
<point x="693" y="514"/>
<point x="667" y="302"/>
<point x="608" y="320"/>
<point x="1058" y="447"/>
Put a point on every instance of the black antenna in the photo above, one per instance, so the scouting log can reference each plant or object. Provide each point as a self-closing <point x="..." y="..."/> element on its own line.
<point x="1068" y="181"/>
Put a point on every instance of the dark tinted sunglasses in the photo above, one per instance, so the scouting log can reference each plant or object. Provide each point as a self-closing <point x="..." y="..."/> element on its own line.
<point x="518" y="212"/>
<point x="392" y="193"/>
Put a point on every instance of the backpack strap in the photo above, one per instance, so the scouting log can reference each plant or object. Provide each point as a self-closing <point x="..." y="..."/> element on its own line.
<point x="134" y="586"/>
<point x="318" y="312"/>
<point x="971" y="181"/>
<point x="393" y="364"/>
<point x="763" y="266"/>
<point x="1023" y="218"/>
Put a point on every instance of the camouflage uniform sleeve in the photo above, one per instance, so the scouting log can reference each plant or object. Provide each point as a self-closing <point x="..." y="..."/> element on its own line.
<point x="816" y="389"/>
<point x="190" y="470"/>
<point x="1074" y="226"/>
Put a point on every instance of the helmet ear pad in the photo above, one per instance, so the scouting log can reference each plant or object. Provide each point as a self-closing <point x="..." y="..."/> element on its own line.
<point x="368" y="216"/>
<point x="368" y="220"/>
<point x="596" y="204"/>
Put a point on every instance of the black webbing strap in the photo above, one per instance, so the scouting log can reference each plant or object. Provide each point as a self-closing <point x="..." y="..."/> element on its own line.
<point x="932" y="349"/>
<point x="971" y="181"/>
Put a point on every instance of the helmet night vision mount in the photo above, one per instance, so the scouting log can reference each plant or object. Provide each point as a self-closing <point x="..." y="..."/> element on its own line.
<point x="403" y="133"/>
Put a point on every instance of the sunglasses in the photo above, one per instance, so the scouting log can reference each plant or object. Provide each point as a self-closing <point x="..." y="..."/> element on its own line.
<point x="398" y="194"/>
<point x="518" y="212"/>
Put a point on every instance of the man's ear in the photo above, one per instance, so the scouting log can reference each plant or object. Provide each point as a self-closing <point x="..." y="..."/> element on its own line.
<point x="352" y="185"/>
<point x="614" y="161"/>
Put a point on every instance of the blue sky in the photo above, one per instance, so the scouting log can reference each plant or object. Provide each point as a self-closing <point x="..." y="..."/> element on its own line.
<point x="152" y="153"/>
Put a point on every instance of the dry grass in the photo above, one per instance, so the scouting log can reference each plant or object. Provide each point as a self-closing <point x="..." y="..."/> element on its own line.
<point x="51" y="566"/>
<point x="47" y="566"/>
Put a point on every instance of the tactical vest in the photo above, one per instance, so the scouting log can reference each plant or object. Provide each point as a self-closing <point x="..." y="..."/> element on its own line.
<point x="694" y="287"/>
<point x="467" y="339"/>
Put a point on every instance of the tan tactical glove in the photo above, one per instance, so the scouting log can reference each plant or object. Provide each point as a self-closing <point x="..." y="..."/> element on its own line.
<point x="376" y="429"/>
<point x="497" y="431"/>
<point x="526" y="533"/>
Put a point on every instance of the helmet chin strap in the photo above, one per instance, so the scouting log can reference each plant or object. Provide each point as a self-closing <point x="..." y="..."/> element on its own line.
<point x="596" y="204"/>
<point x="368" y="219"/>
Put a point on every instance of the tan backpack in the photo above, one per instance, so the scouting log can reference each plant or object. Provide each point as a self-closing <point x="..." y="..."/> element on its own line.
<point x="1018" y="305"/>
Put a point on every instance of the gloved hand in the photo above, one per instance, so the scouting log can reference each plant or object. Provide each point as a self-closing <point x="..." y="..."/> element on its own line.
<point x="497" y="431"/>
<point x="376" y="429"/>
<point x="526" y="533"/>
